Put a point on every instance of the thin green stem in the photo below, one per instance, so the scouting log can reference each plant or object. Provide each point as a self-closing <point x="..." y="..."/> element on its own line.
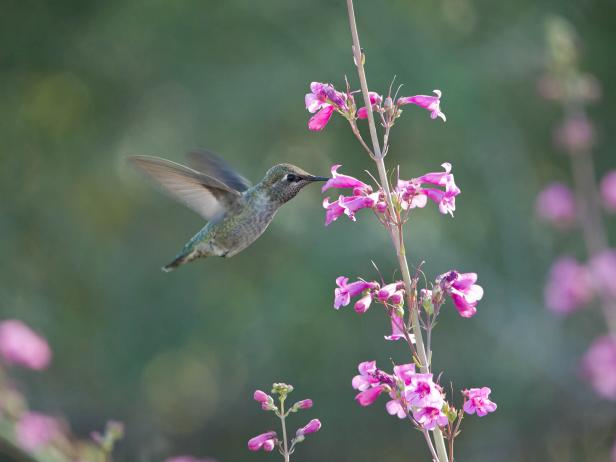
<point x="284" y="432"/>
<point x="396" y="237"/>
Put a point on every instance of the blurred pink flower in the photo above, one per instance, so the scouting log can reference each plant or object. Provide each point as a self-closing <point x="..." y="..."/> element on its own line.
<point x="603" y="269"/>
<point x="463" y="291"/>
<point x="344" y="292"/>
<point x="369" y="396"/>
<point x="431" y="103"/>
<point x="265" y="441"/>
<point x="575" y="135"/>
<point x="608" y="191"/>
<point x="394" y="407"/>
<point x="311" y="427"/>
<point x="478" y="401"/>
<point x="556" y="205"/>
<point x="569" y="286"/>
<point x="34" y="430"/>
<point x="375" y="100"/>
<point x="599" y="367"/>
<point x="21" y="345"/>
<point x="430" y="417"/>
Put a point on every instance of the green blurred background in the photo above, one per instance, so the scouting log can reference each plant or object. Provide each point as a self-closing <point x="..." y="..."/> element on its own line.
<point x="177" y="356"/>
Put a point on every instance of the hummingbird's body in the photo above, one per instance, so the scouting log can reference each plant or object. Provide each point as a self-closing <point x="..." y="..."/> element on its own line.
<point x="237" y="212"/>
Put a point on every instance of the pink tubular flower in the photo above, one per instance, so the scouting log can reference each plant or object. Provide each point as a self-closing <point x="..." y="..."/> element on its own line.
<point x="556" y="205"/>
<point x="412" y="193"/>
<point x="333" y="210"/>
<point x="431" y="103"/>
<point x="303" y="404"/>
<point x="311" y="427"/>
<point x="369" y="396"/>
<point x="344" y="292"/>
<point x="463" y="291"/>
<point x="318" y="121"/>
<point x="267" y="402"/>
<point x="366" y="377"/>
<point x="34" y="430"/>
<point x="22" y="346"/>
<point x="324" y="99"/>
<point x="362" y="305"/>
<point x="478" y="401"/>
<point x="388" y="290"/>
<point x="608" y="191"/>
<point x="375" y="100"/>
<point x="569" y="286"/>
<point x="397" y="326"/>
<point x="599" y="367"/>
<point x="394" y="407"/>
<point x="430" y="417"/>
<point x="423" y="392"/>
<point x="265" y="441"/>
<point x="405" y="372"/>
<point x="339" y="180"/>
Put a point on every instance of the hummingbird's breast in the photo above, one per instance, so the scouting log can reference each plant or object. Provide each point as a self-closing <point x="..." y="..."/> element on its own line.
<point x="242" y="225"/>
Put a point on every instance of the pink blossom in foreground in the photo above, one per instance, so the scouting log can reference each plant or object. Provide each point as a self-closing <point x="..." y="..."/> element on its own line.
<point x="324" y="99"/>
<point x="375" y="100"/>
<point x="478" y="401"/>
<point x="369" y="396"/>
<point x="267" y="402"/>
<point x="575" y="135"/>
<point x="265" y="441"/>
<point x="463" y="291"/>
<point x="608" y="191"/>
<point x="405" y="373"/>
<point x="394" y="407"/>
<point x="430" y="417"/>
<point x="603" y="269"/>
<point x="344" y="292"/>
<point x="338" y="180"/>
<point x="311" y="427"/>
<point x="569" y="286"/>
<point x="22" y="346"/>
<point x="599" y="367"/>
<point x="34" y="431"/>
<point x="556" y="205"/>
<point x="423" y="392"/>
<point x="431" y="103"/>
<point x="366" y="377"/>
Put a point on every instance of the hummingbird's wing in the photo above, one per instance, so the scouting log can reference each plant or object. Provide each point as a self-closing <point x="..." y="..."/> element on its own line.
<point x="212" y="165"/>
<point x="207" y="196"/>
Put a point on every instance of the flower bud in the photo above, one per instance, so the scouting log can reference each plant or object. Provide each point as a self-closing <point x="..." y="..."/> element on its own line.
<point x="312" y="427"/>
<point x="282" y="389"/>
<point x="303" y="404"/>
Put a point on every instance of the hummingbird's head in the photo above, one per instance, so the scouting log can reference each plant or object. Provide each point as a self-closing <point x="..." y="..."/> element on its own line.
<point x="283" y="181"/>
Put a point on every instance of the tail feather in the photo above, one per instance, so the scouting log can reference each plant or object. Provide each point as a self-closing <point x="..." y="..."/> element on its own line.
<point x="180" y="260"/>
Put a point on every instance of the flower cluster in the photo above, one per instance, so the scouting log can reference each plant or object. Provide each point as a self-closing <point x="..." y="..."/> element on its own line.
<point x="324" y="100"/>
<point x="269" y="440"/>
<point x="408" y="194"/>
<point x="414" y="395"/>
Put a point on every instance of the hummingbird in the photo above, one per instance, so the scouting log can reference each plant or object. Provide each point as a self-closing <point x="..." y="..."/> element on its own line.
<point x="237" y="212"/>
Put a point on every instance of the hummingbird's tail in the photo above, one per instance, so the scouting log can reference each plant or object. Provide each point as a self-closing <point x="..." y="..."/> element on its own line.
<point x="181" y="259"/>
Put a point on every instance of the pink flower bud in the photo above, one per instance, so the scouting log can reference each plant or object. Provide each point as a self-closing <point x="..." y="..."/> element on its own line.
<point x="261" y="396"/>
<point x="21" y="345"/>
<point x="397" y="297"/>
<point x="362" y="305"/>
<point x="599" y="367"/>
<point x="304" y="404"/>
<point x="265" y="441"/>
<point x="369" y="396"/>
<point x="311" y="427"/>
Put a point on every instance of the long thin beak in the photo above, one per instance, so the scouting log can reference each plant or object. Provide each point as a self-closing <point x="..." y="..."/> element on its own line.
<point x="315" y="178"/>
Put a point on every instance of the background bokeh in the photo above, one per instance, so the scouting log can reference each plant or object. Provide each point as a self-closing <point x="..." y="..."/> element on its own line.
<point x="176" y="356"/>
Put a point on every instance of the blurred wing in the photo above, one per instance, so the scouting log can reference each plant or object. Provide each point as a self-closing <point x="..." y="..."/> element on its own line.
<point x="205" y="195"/>
<point x="214" y="166"/>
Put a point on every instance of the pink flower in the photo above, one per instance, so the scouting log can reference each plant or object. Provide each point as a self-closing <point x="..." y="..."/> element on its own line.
<point x="34" y="430"/>
<point x="21" y="345"/>
<point x="339" y="180"/>
<point x="267" y="402"/>
<point x="608" y="191"/>
<point x="463" y="291"/>
<point x="394" y="407"/>
<point x="575" y="135"/>
<point x="423" y="392"/>
<point x="478" y="401"/>
<point x="311" y="427"/>
<point x="265" y="441"/>
<point x="430" y="417"/>
<point x="324" y="99"/>
<point x="569" y="286"/>
<point x="304" y="404"/>
<point x="333" y="210"/>
<point x="599" y="367"/>
<point x="367" y="376"/>
<point x="431" y="103"/>
<point x="413" y="194"/>
<point x="344" y="292"/>
<point x="603" y="269"/>
<point x="397" y="326"/>
<point x="362" y="305"/>
<point x="318" y="121"/>
<point x="405" y="372"/>
<point x="369" y="396"/>
<point x="354" y="203"/>
<point x="556" y="205"/>
<point x="375" y="100"/>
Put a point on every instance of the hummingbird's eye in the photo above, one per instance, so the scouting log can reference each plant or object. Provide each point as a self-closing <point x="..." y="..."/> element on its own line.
<point x="291" y="178"/>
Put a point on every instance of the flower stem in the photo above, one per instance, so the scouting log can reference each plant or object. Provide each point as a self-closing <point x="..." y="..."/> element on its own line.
<point x="284" y="431"/>
<point x="396" y="237"/>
